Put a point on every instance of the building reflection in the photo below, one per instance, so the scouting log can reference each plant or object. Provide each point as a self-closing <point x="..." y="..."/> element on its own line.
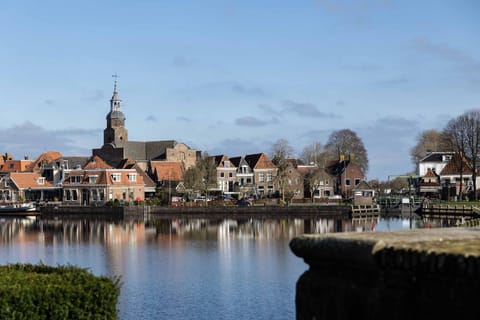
<point x="161" y="230"/>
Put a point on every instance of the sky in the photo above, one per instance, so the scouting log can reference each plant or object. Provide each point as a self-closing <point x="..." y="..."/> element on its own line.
<point x="232" y="77"/>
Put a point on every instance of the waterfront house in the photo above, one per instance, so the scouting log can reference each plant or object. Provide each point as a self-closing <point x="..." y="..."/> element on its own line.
<point x="99" y="186"/>
<point x="434" y="161"/>
<point x="166" y="174"/>
<point x="430" y="184"/>
<point x="264" y="173"/>
<point x="294" y="184"/>
<point x="244" y="183"/>
<point x="363" y="194"/>
<point x="226" y="173"/>
<point x="346" y="175"/>
<point x="318" y="184"/>
<point x="456" y="177"/>
<point x="27" y="186"/>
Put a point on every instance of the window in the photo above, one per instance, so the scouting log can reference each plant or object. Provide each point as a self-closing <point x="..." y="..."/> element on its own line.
<point x="261" y="177"/>
<point x="68" y="195"/>
<point x="230" y="174"/>
<point x="347" y="182"/>
<point x="269" y="177"/>
<point x="357" y="181"/>
<point x="74" y="195"/>
<point x="75" y="179"/>
<point x="132" y="177"/>
<point x="226" y="164"/>
<point x="249" y="180"/>
<point x="41" y="180"/>
<point x="222" y="174"/>
<point x="11" y="165"/>
<point x="116" y="177"/>
<point x="102" y="194"/>
<point x="94" y="194"/>
<point x="327" y="182"/>
<point x="92" y="179"/>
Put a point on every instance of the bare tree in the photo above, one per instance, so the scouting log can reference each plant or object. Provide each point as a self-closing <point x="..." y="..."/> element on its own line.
<point x="313" y="179"/>
<point x="345" y="142"/>
<point x="313" y="154"/>
<point x="465" y="135"/>
<point x="281" y="152"/>
<point x="456" y="133"/>
<point x="428" y="141"/>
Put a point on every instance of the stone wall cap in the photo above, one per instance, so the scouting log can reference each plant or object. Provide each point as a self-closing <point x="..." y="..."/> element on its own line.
<point x="361" y="247"/>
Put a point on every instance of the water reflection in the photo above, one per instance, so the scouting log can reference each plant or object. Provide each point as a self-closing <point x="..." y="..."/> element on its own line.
<point x="183" y="268"/>
<point x="120" y="232"/>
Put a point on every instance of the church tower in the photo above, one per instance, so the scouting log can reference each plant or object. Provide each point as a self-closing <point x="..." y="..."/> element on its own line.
<point x="115" y="132"/>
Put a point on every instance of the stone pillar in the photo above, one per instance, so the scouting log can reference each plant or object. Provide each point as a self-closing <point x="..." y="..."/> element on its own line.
<point x="417" y="274"/>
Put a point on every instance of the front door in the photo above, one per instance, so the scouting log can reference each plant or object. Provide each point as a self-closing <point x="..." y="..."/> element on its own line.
<point x="86" y="197"/>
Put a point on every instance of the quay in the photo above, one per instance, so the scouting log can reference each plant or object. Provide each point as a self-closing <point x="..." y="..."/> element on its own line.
<point x="415" y="274"/>
<point x="261" y="212"/>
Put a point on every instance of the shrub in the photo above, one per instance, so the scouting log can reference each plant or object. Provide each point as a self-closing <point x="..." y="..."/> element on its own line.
<point x="66" y="292"/>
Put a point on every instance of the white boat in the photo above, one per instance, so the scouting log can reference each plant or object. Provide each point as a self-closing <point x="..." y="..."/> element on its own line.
<point x="17" y="207"/>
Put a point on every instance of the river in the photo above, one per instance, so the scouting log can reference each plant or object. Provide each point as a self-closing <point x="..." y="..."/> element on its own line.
<point x="179" y="268"/>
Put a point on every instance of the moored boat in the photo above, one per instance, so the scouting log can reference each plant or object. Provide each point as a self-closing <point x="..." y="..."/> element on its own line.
<point x="17" y="208"/>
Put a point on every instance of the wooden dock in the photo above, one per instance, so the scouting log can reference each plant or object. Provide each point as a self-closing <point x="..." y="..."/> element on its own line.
<point x="360" y="211"/>
<point x="449" y="211"/>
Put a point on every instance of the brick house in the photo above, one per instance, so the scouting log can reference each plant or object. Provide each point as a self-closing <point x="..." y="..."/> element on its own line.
<point x="27" y="186"/>
<point x="98" y="186"/>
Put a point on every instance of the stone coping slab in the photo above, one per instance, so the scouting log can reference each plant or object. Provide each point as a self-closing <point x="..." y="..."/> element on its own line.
<point x="405" y="249"/>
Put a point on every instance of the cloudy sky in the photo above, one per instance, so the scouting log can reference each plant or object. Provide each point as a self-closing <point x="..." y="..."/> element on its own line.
<point x="232" y="77"/>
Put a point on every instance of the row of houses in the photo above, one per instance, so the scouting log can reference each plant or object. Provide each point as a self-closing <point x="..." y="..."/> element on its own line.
<point x="92" y="181"/>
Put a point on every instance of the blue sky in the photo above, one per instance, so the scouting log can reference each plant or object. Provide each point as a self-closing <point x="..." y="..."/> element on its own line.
<point x="232" y="77"/>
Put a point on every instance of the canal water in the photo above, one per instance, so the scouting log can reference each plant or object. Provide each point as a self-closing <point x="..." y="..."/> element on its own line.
<point x="181" y="268"/>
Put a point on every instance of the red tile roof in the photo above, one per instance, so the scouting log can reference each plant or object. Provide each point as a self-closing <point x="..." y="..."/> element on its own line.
<point x="95" y="162"/>
<point x="45" y="158"/>
<point x="453" y="166"/>
<point x="167" y="170"/>
<point x="25" y="180"/>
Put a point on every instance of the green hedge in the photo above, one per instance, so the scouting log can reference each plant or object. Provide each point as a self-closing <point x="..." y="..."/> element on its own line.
<point x="66" y="292"/>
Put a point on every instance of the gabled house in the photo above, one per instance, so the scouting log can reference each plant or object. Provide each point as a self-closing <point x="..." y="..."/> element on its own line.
<point x="434" y="161"/>
<point x="294" y="186"/>
<point x="27" y="186"/>
<point x="11" y="165"/>
<point x="226" y="173"/>
<point x="346" y="176"/>
<point x="430" y="184"/>
<point x="456" y="176"/>
<point x="363" y="194"/>
<point x="43" y="160"/>
<point x="244" y="183"/>
<point x="318" y="184"/>
<point x="57" y="170"/>
<point x="98" y="186"/>
<point x="264" y="173"/>
<point x="166" y="174"/>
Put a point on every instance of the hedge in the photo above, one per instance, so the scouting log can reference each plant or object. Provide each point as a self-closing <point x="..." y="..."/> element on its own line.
<point x="65" y="292"/>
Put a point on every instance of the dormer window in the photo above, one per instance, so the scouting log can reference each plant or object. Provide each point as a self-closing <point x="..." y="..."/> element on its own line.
<point x="75" y="179"/>
<point x="41" y="180"/>
<point x="226" y="164"/>
<point x="116" y="177"/>
<point x="132" y="177"/>
<point x="92" y="179"/>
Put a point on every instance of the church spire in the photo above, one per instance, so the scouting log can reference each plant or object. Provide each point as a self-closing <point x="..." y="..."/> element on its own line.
<point x="115" y="101"/>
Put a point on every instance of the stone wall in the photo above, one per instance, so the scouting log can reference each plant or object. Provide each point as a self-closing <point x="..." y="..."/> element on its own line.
<point x="418" y="274"/>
